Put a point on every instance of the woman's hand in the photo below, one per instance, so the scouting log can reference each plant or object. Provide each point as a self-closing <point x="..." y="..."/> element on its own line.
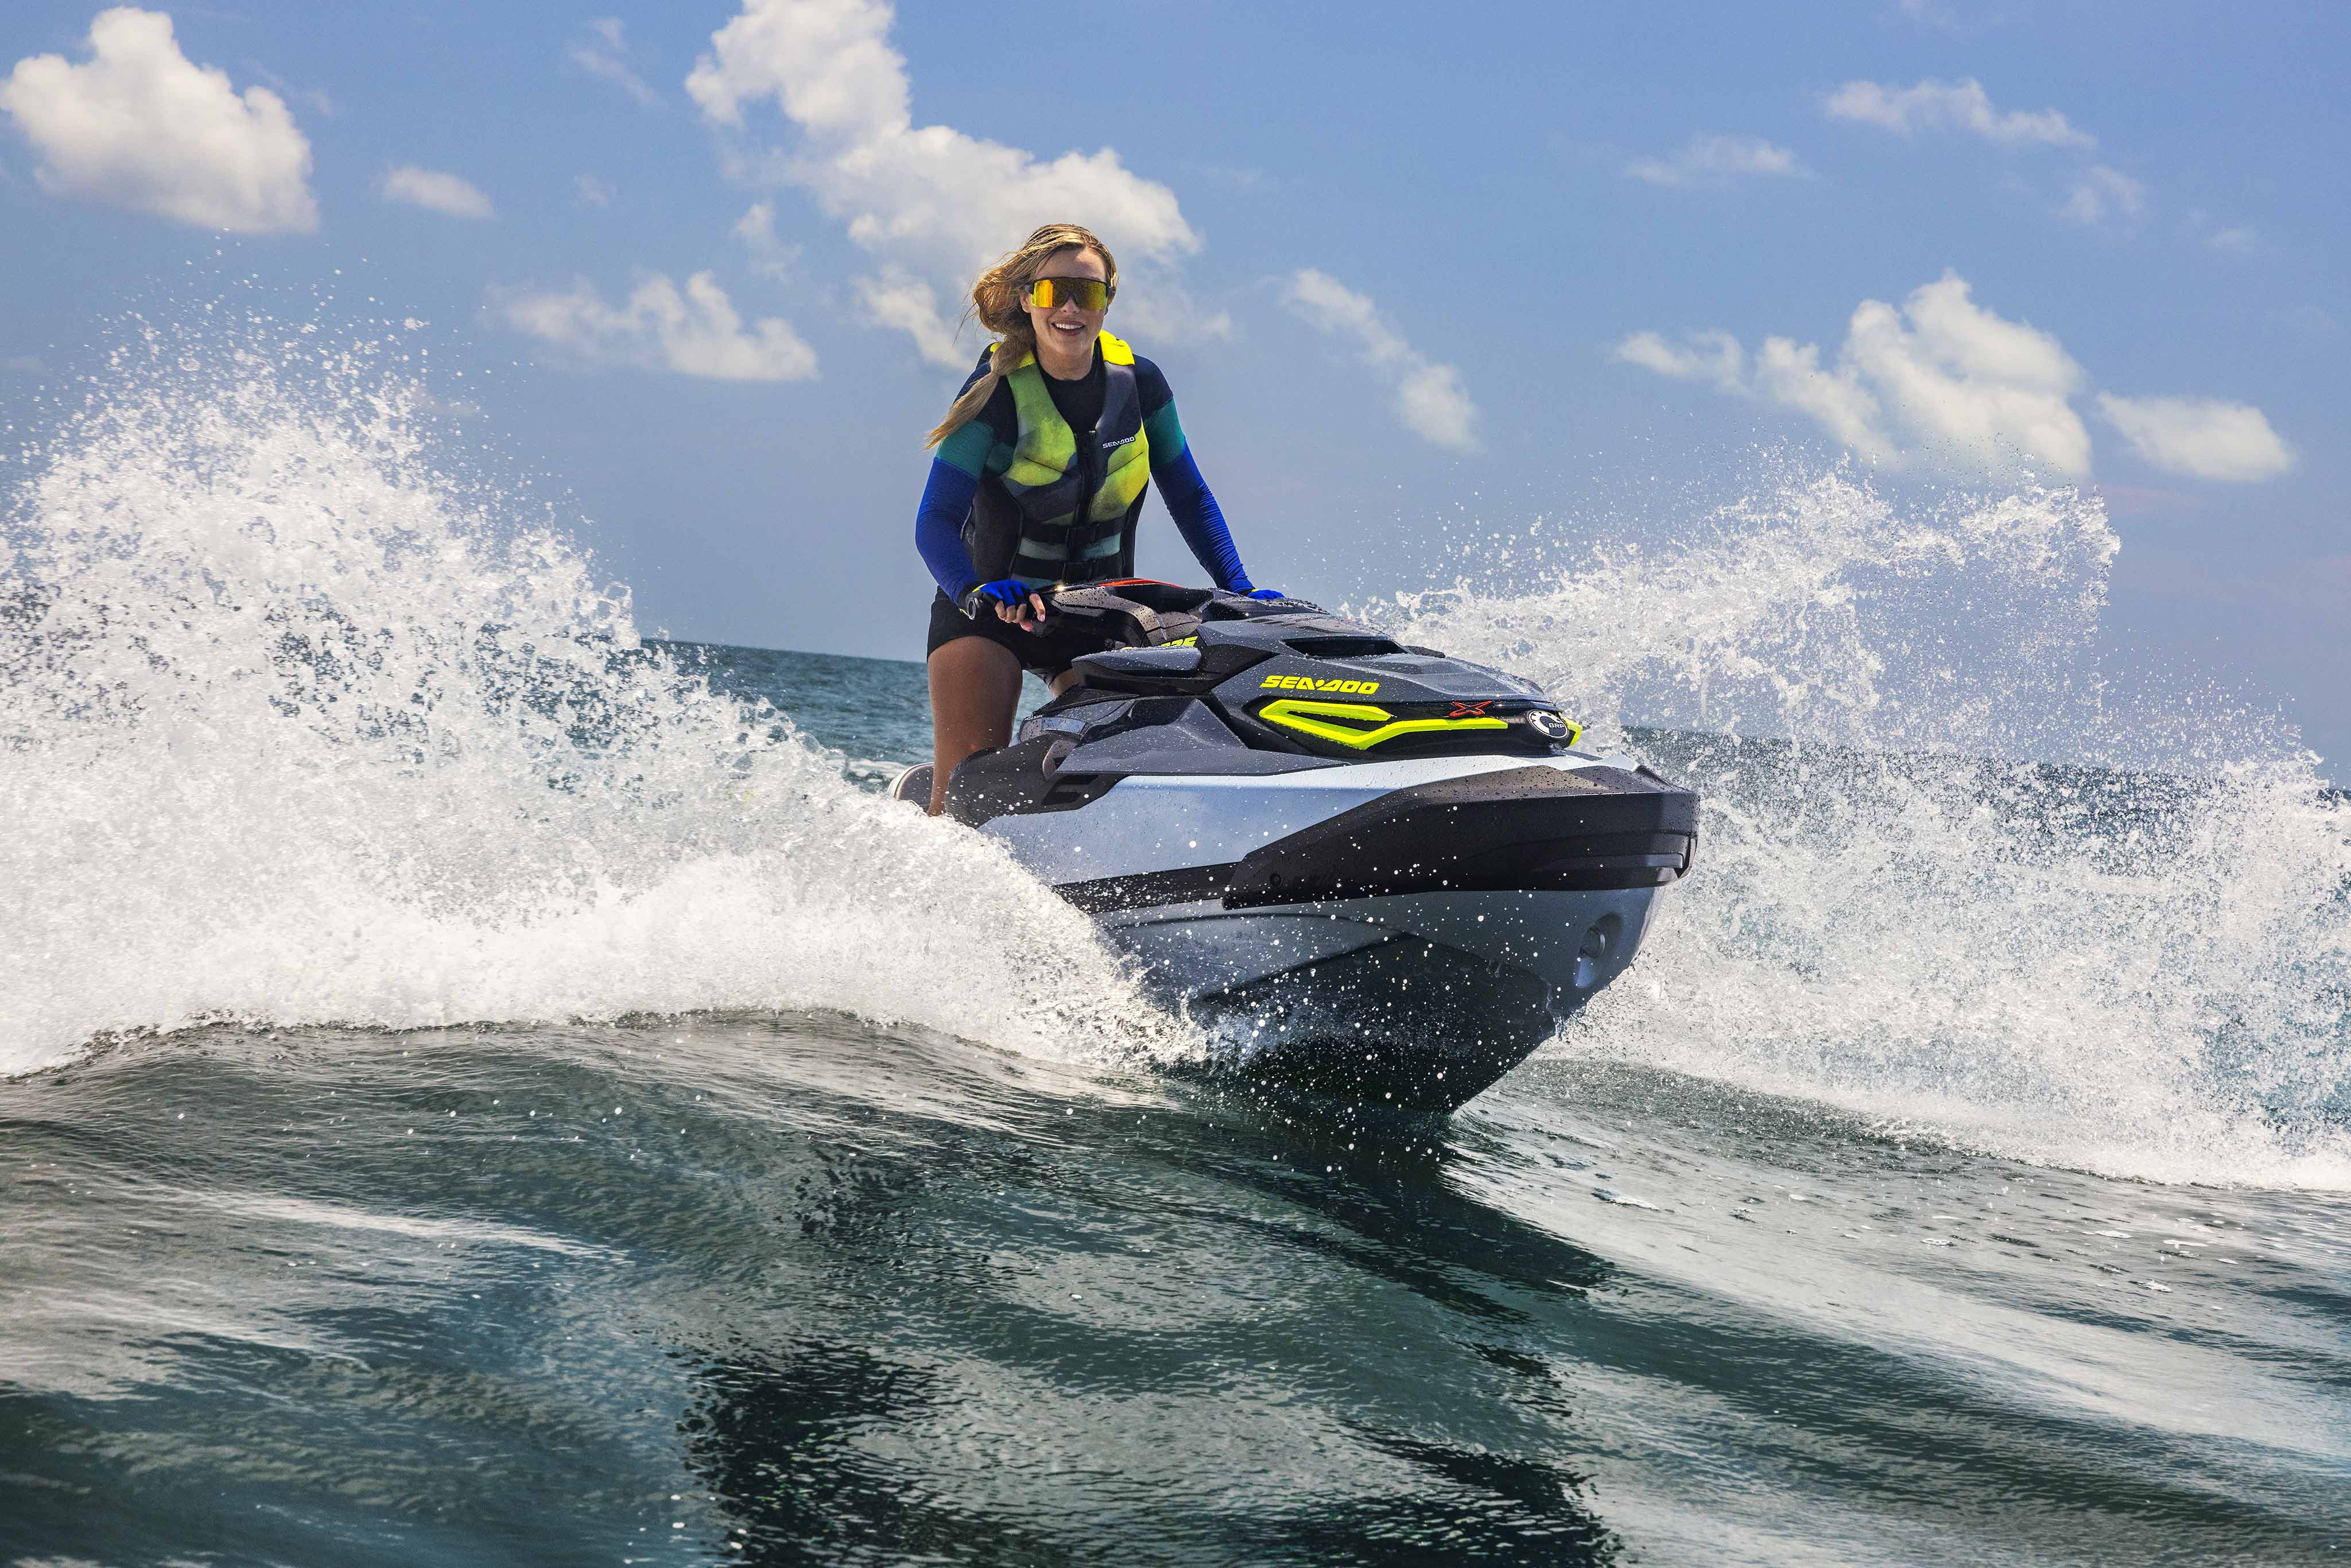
<point x="1239" y="583"/>
<point x="1012" y="599"/>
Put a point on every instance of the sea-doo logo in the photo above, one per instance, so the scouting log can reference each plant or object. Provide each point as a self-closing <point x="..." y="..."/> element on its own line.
<point x="1308" y="683"/>
<point x="1548" y="724"/>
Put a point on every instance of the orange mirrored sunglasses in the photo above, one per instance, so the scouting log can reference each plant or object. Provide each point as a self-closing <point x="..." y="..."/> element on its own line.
<point x="1085" y="293"/>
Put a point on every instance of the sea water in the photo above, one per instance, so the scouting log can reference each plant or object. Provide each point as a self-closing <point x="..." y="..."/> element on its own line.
<point x="478" y="1086"/>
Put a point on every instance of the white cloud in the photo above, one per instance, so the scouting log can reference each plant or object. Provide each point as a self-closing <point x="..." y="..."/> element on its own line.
<point x="143" y="127"/>
<point x="933" y="203"/>
<point x="770" y="256"/>
<point x="695" y="332"/>
<point x="1718" y="159"/>
<point x="1782" y="373"/>
<point x="436" y="191"/>
<point x="1941" y="383"/>
<point x="901" y="300"/>
<point x="605" y="53"/>
<point x="1944" y="384"/>
<point x="594" y="190"/>
<point x="23" y="365"/>
<point x="828" y="64"/>
<point x="1713" y="357"/>
<point x="1789" y="374"/>
<point x="1429" y="397"/>
<point x="1960" y="106"/>
<point x="2103" y="193"/>
<point x="2200" y="437"/>
<point x="1959" y="377"/>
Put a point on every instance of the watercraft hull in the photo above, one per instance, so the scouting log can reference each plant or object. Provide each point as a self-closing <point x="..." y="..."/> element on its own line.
<point x="1394" y="934"/>
<point x="1366" y="868"/>
<point x="1417" y="1001"/>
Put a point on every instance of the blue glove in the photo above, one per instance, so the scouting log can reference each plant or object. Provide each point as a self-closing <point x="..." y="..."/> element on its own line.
<point x="1266" y="593"/>
<point x="1011" y="591"/>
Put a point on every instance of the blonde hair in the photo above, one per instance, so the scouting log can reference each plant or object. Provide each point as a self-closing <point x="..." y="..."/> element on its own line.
<point x="996" y="300"/>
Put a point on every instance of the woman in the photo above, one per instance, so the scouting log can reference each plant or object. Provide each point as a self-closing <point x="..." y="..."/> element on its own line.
<point x="1041" y="470"/>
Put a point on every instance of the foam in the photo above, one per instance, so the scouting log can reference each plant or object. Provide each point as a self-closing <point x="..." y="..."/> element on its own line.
<point x="2132" y="964"/>
<point x="299" y="724"/>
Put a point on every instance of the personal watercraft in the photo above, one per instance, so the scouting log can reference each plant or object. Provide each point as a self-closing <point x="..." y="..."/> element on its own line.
<point x="1368" y="869"/>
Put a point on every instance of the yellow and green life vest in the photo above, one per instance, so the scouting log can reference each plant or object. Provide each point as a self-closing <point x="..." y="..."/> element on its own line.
<point x="1070" y="499"/>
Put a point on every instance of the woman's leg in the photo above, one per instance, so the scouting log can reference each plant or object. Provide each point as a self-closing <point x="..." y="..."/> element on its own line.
<point x="975" y="692"/>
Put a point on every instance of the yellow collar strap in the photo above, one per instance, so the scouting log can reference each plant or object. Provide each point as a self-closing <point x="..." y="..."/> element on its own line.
<point x="1115" y="352"/>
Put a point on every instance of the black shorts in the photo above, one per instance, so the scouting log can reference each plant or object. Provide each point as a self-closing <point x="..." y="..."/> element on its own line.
<point x="1044" y="655"/>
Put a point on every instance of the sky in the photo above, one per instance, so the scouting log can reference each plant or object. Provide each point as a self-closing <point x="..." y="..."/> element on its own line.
<point x="1411" y="273"/>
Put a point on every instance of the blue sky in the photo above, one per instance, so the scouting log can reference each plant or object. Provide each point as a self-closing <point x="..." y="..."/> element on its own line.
<point x="1402" y="267"/>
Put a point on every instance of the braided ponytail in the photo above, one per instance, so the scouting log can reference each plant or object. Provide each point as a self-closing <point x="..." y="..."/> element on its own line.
<point x="995" y="301"/>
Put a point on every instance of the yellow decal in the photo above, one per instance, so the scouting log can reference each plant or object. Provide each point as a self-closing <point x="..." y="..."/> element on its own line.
<point x="1313" y="718"/>
<point x="1308" y="683"/>
<point x="1181" y="643"/>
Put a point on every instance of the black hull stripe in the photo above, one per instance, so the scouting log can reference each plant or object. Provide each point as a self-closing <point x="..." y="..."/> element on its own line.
<point x="1185" y="884"/>
<point x="1195" y="884"/>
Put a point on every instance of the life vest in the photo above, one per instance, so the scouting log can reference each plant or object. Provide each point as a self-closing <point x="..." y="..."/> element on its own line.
<point x="1068" y="504"/>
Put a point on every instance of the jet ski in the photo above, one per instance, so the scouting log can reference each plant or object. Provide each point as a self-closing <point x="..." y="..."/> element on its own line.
<point x="1368" y="869"/>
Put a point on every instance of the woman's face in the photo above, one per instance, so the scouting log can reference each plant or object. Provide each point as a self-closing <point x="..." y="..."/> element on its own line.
<point x="1065" y="323"/>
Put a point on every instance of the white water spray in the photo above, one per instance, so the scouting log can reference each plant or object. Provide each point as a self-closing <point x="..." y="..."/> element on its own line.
<point x="2134" y="963"/>
<point x="298" y="727"/>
